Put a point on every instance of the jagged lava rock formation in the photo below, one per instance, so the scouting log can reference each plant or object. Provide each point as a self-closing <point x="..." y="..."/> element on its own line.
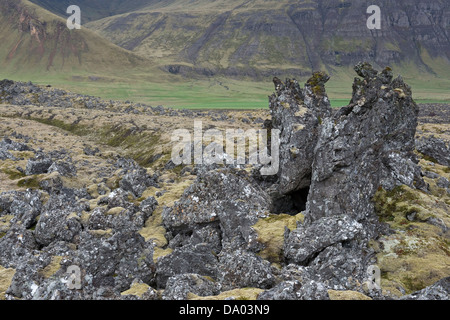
<point x="313" y="231"/>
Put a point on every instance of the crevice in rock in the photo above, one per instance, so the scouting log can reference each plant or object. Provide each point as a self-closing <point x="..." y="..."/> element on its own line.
<point x="292" y="203"/>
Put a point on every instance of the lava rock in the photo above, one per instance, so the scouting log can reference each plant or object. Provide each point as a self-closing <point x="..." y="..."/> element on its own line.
<point x="64" y="168"/>
<point x="137" y="181"/>
<point x="38" y="165"/>
<point x="59" y="220"/>
<point x="297" y="114"/>
<point x="239" y="268"/>
<point x="187" y="259"/>
<point x="227" y="196"/>
<point x="435" y="148"/>
<point x="178" y="286"/>
<point x="303" y="243"/>
<point x="296" y="290"/>
<point x="437" y="291"/>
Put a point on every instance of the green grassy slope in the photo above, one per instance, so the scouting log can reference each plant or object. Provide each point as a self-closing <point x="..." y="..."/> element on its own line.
<point x="36" y="41"/>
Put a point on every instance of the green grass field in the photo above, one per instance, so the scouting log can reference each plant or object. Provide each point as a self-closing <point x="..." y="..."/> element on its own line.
<point x="216" y="93"/>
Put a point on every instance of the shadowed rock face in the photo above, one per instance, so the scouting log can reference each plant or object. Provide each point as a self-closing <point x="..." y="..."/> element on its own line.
<point x="297" y="113"/>
<point x="347" y="156"/>
<point x="364" y="146"/>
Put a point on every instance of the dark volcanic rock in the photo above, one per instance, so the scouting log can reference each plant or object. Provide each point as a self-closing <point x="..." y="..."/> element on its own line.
<point x="187" y="259"/>
<point x="137" y="180"/>
<point x="239" y="268"/>
<point x="227" y="197"/>
<point x="24" y="206"/>
<point x="59" y="220"/>
<point x="179" y="286"/>
<point x="362" y="147"/>
<point x="117" y="260"/>
<point x="304" y="243"/>
<point x="297" y="113"/>
<point x="435" y="148"/>
<point x="38" y="165"/>
<point x="296" y="290"/>
<point x="437" y="291"/>
<point x="17" y="245"/>
<point x="64" y="168"/>
<point x="8" y="144"/>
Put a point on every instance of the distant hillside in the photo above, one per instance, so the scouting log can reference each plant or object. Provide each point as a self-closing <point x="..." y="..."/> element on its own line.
<point x="93" y="10"/>
<point x="35" y="40"/>
<point x="260" y="38"/>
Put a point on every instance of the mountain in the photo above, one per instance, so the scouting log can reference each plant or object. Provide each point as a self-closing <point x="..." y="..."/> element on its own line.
<point x="221" y="53"/>
<point x="262" y="38"/>
<point x="37" y="41"/>
<point x="92" y="10"/>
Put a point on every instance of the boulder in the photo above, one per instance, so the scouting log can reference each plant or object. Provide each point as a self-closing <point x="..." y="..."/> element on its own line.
<point x="297" y="113"/>
<point x="197" y="259"/>
<point x="437" y="149"/>
<point x="60" y="219"/>
<point x="225" y="197"/>
<point x="363" y="147"/>
<point x="437" y="291"/>
<point x="296" y="290"/>
<point x="239" y="268"/>
<point x="38" y="165"/>
<point x="137" y="181"/>
<point x="178" y="286"/>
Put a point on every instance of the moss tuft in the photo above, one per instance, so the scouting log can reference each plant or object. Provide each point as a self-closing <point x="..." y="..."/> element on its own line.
<point x="416" y="254"/>
<point x="32" y="182"/>
<point x="270" y="232"/>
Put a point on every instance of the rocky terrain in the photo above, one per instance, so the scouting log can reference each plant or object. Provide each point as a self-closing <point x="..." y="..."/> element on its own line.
<point x="89" y="184"/>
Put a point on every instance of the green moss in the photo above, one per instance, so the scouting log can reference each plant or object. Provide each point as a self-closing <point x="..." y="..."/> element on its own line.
<point x="77" y="129"/>
<point x="416" y="253"/>
<point x="396" y="204"/>
<point x="237" y="294"/>
<point x="428" y="158"/>
<point x="52" y="267"/>
<point x="317" y="90"/>
<point x="137" y="289"/>
<point x="31" y="182"/>
<point x="413" y="284"/>
<point x="137" y="145"/>
<point x="13" y="174"/>
<point x="270" y="232"/>
<point x="177" y="169"/>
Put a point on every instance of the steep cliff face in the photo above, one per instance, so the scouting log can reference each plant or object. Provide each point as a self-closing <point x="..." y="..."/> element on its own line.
<point x="262" y="38"/>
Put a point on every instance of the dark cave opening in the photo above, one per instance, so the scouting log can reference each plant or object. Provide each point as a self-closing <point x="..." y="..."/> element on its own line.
<point x="292" y="203"/>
